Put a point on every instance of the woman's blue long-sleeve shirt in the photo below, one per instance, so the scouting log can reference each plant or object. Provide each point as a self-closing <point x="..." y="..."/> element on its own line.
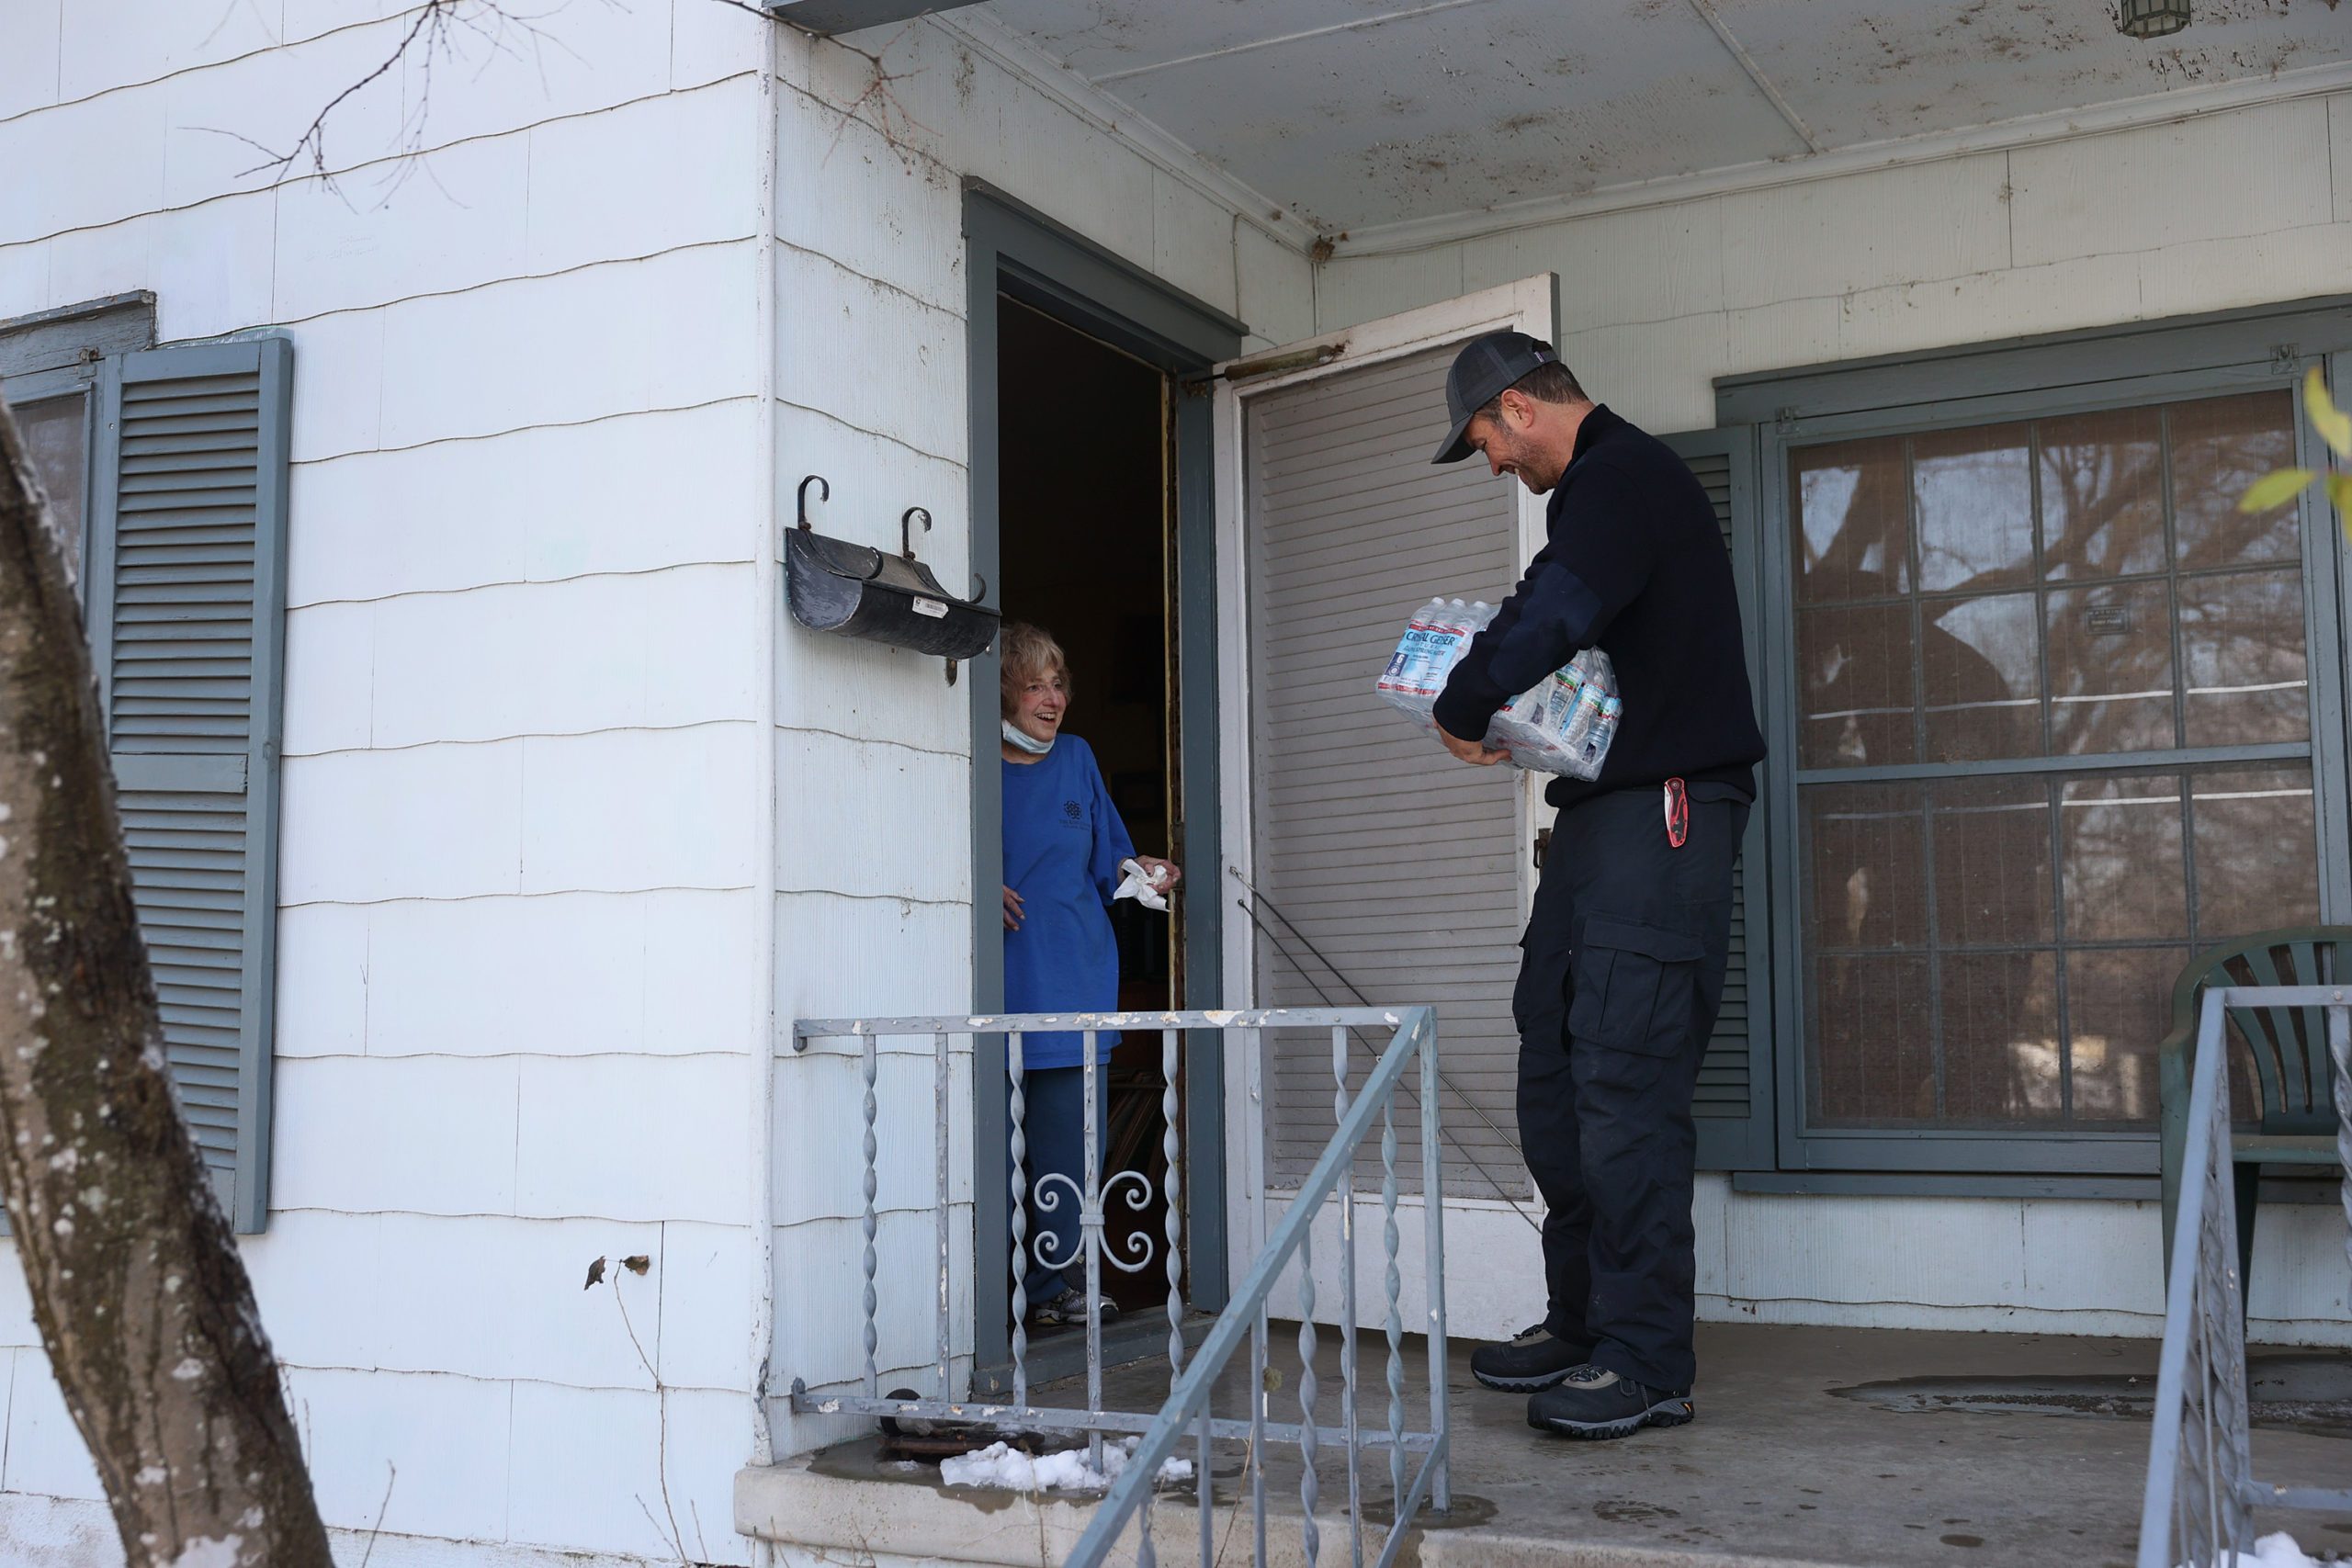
<point x="1063" y="844"/>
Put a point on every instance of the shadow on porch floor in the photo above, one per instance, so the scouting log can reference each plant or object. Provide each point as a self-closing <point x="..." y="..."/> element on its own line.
<point x="1812" y="1446"/>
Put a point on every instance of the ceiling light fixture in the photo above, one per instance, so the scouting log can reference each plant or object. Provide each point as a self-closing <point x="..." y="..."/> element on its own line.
<point x="2153" y="18"/>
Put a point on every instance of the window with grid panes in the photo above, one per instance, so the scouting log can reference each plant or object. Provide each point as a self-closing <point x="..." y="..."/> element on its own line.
<point x="56" y="434"/>
<point x="1993" y="946"/>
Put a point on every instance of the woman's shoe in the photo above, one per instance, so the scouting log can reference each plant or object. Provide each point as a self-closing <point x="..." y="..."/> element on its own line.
<point x="1068" y="1308"/>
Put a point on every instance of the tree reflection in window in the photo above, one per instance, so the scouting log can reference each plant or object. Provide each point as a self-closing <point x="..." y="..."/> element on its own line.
<point x="1996" y="951"/>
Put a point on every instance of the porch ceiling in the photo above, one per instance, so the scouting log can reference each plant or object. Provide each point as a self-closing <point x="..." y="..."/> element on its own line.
<point x="1362" y="113"/>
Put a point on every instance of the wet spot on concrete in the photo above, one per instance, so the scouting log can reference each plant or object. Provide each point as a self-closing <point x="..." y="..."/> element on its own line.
<point x="1632" y="1511"/>
<point x="1961" y="1539"/>
<point x="1468" y="1513"/>
<point x="2302" y="1392"/>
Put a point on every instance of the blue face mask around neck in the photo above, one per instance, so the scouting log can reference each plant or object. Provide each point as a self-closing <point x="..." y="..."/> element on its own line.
<point x="1026" y="741"/>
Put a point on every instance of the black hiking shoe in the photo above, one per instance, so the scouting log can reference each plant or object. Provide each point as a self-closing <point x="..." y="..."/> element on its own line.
<point x="1535" y="1360"/>
<point x="1593" y="1403"/>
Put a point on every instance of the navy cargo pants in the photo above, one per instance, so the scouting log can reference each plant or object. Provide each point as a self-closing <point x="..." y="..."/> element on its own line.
<point x="1619" y="976"/>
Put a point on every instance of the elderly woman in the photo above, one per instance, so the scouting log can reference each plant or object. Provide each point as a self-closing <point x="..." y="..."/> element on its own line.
<point x="1063" y="845"/>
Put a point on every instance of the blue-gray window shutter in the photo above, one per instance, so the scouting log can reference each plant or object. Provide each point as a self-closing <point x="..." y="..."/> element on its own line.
<point x="1732" y="1106"/>
<point x="185" y="603"/>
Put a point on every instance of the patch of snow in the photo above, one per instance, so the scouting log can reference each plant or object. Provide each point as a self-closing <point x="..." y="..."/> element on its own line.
<point x="1003" y="1467"/>
<point x="2278" y="1551"/>
<point x="209" y="1552"/>
<point x="188" y="1370"/>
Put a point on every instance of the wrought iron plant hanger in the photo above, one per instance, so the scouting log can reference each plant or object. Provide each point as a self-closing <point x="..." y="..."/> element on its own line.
<point x="856" y="591"/>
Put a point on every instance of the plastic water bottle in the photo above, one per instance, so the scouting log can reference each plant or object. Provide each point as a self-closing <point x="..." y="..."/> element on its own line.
<point x="1462" y="622"/>
<point x="1595" y="745"/>
<point x="1580" y="722"/>
<point x="1560" y="702"/>
<point x="1416" y="650"/>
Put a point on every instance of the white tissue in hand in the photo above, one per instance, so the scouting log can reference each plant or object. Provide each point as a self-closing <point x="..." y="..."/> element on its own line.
<point x="1141" y="885"/>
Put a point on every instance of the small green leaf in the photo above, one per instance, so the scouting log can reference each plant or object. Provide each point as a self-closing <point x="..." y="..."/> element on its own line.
<point x="2275" y="488"/>
<point x="2335" y="426"/>
<point x="2339" y="491"/>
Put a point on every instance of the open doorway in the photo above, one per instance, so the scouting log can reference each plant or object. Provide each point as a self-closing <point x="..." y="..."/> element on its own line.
<point x="1093" y="513"/>
<point x="1084" y="533"/>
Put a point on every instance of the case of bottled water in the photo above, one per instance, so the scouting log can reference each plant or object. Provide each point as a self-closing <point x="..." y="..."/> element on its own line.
<point x="1562" y="725"/>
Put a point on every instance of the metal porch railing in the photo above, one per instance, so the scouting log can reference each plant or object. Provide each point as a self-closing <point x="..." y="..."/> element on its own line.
<point x="1360" y="1101"/>
<point x="2201" y="1494"/>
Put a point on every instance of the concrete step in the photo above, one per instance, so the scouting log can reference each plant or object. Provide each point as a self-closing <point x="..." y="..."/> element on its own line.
<point x="892" y="1513"/>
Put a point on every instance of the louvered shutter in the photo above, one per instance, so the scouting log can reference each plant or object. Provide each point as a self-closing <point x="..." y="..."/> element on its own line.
<point x="1734" y="1102"/>
<point x="1396" y="863"/>
<point x="186" y="609"/>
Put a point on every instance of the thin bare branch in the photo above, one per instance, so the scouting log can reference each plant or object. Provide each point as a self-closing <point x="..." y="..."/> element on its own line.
<point x="441" y="31"/>
<point x="391" y="1475"/>
<point x="434" y="14"/>
<point x="661" y="1428"/>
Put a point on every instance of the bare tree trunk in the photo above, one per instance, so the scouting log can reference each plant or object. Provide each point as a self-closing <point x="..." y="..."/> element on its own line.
<point x="142" y="1302"/>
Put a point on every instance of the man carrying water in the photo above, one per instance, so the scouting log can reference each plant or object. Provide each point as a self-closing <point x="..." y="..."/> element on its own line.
<point x="1622" y="964"/>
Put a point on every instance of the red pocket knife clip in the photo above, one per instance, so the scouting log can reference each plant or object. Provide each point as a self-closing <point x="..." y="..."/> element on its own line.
<point x="1677" y="813"/>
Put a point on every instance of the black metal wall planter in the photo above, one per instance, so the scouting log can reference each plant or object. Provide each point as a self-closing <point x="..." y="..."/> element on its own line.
<point x="856" y="591"/>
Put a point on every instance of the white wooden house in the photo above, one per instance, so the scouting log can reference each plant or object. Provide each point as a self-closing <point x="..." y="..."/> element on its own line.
<point x="518" y="820"/>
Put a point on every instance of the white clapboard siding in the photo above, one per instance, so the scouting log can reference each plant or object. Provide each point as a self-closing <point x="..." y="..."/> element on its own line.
<point x="1394" y="860"/>
<point x="184" y="613"/>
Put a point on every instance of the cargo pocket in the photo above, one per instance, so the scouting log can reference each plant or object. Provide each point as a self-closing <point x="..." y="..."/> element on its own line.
<point x="1542" y="984"/>
<point x="1637" y="986"/>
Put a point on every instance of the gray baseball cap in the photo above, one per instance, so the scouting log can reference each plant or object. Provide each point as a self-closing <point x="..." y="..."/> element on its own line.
<point x="1483" y="371"/>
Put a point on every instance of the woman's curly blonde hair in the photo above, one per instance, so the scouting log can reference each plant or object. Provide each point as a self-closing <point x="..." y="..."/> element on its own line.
<point x="1028" y="652"/>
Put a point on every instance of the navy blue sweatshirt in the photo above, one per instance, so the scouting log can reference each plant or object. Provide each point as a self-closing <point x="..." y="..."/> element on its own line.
<point x="1636" y="565"/>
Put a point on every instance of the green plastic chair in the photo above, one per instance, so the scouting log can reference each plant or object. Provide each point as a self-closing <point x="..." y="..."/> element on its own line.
<point x="2288" y="1050"/>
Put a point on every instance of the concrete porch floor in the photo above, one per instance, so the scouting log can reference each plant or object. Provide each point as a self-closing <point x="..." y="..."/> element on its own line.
<point x="1811" y="1445"/>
